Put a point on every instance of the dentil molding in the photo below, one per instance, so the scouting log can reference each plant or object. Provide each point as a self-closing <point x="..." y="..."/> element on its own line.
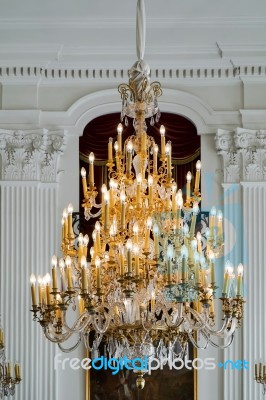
<point x="30" y="155"/>
<point x="243" y="154"/>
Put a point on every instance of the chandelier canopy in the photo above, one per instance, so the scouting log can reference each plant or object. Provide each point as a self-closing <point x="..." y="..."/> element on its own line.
<point x="148" y="286"/>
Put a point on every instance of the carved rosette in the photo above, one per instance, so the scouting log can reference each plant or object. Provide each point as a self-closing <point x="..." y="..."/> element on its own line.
<point x="31" y="155"/>
<point x="243" y="153"/>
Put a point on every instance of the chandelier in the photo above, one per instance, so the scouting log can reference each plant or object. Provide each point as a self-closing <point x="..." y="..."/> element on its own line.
<point x="148" y="285"/>
<point x="7" y="380"/>
<point x="260" y="375"/>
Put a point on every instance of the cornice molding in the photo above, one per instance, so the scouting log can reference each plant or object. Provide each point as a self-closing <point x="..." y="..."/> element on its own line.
<point x="243" y="154"/>
<point x="30" y="155"/>
<point x="72" y="75"/>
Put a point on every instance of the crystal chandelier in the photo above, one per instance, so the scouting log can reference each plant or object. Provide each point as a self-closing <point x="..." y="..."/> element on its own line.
<point x="260" y="375"/>
<point x="7" y="380"/>
<point x="149" y="285"/>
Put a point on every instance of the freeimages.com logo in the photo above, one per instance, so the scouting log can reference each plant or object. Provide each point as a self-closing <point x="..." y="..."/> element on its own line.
<point x="147" y="364"/>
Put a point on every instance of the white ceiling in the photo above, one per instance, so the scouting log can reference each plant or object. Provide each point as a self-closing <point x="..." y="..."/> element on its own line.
<point x="97" y="32"/>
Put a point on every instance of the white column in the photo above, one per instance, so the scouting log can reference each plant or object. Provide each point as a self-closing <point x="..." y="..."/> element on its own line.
<point x="29" y="236"/>
<point x="254" y="207"/>
<point x="233" y="233"/>
<point x="244" y="158"/>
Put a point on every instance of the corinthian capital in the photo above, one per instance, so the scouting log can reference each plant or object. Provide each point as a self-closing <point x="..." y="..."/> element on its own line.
<point x="30" y="155"/>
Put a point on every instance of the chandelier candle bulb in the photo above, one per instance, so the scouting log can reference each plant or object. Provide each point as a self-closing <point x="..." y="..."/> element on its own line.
<point x="135" y="232"/>
<point x="70" y="227"/>
<point x="227" y="273"/>
<point x="121" y="261"/>
<point x="48" y="289"/>
<point x="84" y="182"/>
<point x="69" y="273"/>
<point x="84" y="282"/>
<point x="212" y="221"/>
<point x="150" y="184"/>
<point x="220" y="226"/>
<point x="184" y="255"/>
<point x="174" y="199"/>
<point x="81" y="305"/>
<point x="110" y="150"/>
<point x="162" y="132"/>
<point x="139" y="183"/>
<point x="65" y="216"/>
<point x="8" y="370"/>
<point x="54" y="273"/>
<point x="188" y="192"/>
<point x="91" y="169"/>
<point x="85" y="245"/>
<point x="123" y="209"/>
<point x="17" y="371"/>
<point x="195" y="211"/>
<point x="129" y="148"/>
<point x="197" y="177"/>
<point x="98" y="272"/>
<point x="168" y="159"/>
<point x="129" y="256"/>
<point x="119" y="136"/>
<point x="98" y="235"/>
<point x="155" y="158"/>
<point x="106" y="211"/>
<point x="80" y="246"/>
<point x="33" y="292"/>
<point x="212" y="267"/>
<point x="239" y="290"/>
<point x="147" y="234"/>
<point x="196" y="260"/>
<point x="156" y="241"/>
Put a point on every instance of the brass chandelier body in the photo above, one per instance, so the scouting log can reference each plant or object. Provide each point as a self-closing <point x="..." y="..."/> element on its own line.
<point x="149" y="286"/>
<point x="8" y="380"/>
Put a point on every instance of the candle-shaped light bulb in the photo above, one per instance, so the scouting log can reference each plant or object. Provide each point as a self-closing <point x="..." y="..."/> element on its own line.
<point x="212" y="266"/>
<point x="91" y="169"/>
<point x="220" y="226"/>
<point x="98" y="226"/>
<point x="198" y="165"/>
<point x="212" y="220"/>
<point x="83" y="172"/>
<point x="150" y="184"/>
<point x="197" y="178"/>
<point x="70" y="208"/>
<point x="116" y="147"/>
<point x="228" y="270"/>
<point x="129" y="246"/>
<point x="135" y="229"/>
<point x="98" y="272"/>
<point x="155" y="156"/>
<point x="84" y="283"/>
<point x="54" y="272"/>
<point x="119" y="128"/>
<point x="129" y="146"/>
<point x="188" y="186"/>
<point x="119" y="136"/>
<point x="162" y="132"/>
<point x="169" y="256"/>
<point x="139" y="179"/>
<point x="239" y="290"/>
<point x="168" y="149"/>
<point x="86" y="240"/>
<point x="110" y="149"/>
<point x="33" y="292"/>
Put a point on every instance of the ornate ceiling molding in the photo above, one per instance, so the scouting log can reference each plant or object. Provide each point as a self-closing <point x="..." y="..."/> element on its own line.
<point x="196" y="74"/>
<point x="30" y="155"/>
<point x="243" y="153"/>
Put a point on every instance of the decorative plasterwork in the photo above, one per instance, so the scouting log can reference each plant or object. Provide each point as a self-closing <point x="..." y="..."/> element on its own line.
<point x="30" y="155"/>
<point x="243" y="153"/>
